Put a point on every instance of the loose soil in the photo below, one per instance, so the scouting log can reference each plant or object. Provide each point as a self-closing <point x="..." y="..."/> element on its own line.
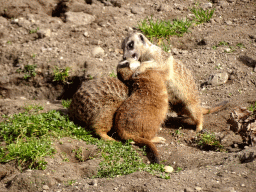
<point x="24" y="40"/>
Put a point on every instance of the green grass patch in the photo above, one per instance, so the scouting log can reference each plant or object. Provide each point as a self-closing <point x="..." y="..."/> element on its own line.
<point x="123" y="159"/>
<point x="163" y="29"/>
<point x="208" y="141"/>
<point x="202" y="16"/>
<point x="26" y="138"/>
<point x="61" y="75"/>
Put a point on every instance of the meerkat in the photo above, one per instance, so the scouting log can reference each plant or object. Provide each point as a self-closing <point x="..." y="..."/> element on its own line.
<point x="140" y="116"/>
<point x="182" y="90"/>
<point x="96" y="101"/>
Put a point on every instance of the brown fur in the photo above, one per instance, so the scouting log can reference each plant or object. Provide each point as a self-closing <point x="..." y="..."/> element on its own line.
<point x="96" y="101"/>
<point x="140" y="116"/>
<point x="182" y="90"/>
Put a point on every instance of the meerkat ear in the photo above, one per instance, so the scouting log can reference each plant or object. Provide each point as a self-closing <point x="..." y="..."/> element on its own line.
<point x="142" y="38"/>
<point x="123" y="43"/>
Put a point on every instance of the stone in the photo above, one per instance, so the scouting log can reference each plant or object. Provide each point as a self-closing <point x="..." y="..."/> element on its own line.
<point x="44" y="33"/>
<point x="229" y="189"/>
<point x="223" y="4"/>
<point x="227" y="49"/>
<point x="138" y="10"/>
<point x="94" y="182"/>
<point x="178" y="6"/>
<point x="45" y="187"/>
<point x="168" y="169"/>
<point x="188" y="189"/>
<point x="4" y="79"/>
<point x="206" y="6"/>
<point x="97" y="52"/>
<point x="86" y="34"/>
<point x="228" y="22"/>
<point x="218" y="79"/>
<point x="175" y="51"/>
<point x="79" y="18"/>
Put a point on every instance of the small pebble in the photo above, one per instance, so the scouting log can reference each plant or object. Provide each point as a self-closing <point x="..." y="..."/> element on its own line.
<point x="168" y="169"/>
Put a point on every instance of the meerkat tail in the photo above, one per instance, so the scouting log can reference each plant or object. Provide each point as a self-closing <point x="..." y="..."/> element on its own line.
<point x="150" y="145"/>
<point x="215" y="108"/>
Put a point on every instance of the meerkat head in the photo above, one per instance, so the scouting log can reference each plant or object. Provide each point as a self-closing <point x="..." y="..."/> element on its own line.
<point x="134" y="46"/>
<point x="126" y="68"/>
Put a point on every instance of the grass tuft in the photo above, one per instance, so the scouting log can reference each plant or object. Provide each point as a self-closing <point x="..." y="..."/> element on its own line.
<point x="66" y="103"/>
<point x="202" y="16"/>
<point x="61" y="75"/>
<point x="163" y="29"/>
<point x="208" y="141"/>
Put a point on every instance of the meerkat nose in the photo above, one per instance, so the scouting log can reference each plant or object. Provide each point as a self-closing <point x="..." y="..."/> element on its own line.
<point x="124" y="58"/>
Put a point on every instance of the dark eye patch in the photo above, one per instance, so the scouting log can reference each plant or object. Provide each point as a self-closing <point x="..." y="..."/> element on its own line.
<point x="130" y="45"/>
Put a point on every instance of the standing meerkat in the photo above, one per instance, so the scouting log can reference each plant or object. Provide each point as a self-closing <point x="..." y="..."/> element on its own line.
<point x="142" y="113"/>
<point x="96" y="101"/>
<point x="182" y="90"/>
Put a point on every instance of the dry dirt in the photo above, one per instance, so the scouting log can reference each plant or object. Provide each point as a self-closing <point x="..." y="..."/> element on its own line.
<point x="41" y="33"/>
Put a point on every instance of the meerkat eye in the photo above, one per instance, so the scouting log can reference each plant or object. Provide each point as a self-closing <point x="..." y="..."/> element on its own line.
<point x="130" y="45"/>
<point x="142" y="39"/>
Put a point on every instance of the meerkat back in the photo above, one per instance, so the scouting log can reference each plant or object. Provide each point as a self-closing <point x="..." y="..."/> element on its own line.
<point x="96" y="101"/>
<point x="140" y="115"/>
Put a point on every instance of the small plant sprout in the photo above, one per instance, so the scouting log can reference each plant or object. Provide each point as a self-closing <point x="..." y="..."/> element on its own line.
<point x="33" y="30"/>
<point x="61" y="75"/>
<point x="240" y="45"/>
<point x="252" y="108"/>
<point x="178" y="169"/>
<point x="79" y="154"/>
<point x="71" y="182"/>
<point x="66" y="103"/>
<point x="90" y="77"/>
<point x="218" y="66"/>
<point x="112" y="74"/>
<point x="214" y="47"/>
<point x="29" y="71"/>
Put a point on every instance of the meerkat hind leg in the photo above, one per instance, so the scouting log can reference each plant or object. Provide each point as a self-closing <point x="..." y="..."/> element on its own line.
<point x="104" y="124"/>
<point x="105" y="136"/>
<point x="195" y="113"/>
